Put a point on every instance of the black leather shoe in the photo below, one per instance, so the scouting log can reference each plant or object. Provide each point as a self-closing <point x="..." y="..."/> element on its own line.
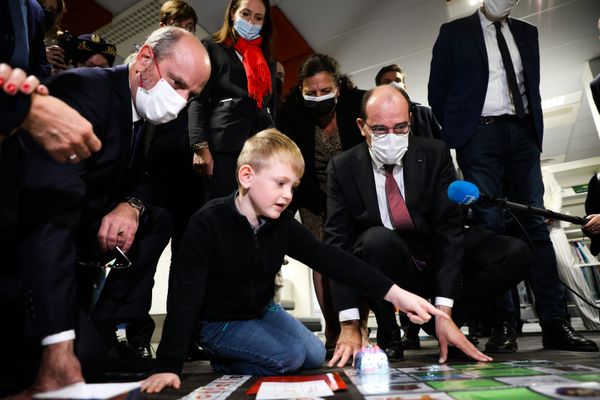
<point x="503" y="339"/>
<point x="410" y="338"/>
<point x="560" y="335"/>
<point x="125" y="363"/>
<point x="389" y="341"/>
<point x="394" y="351"/>
<point x="478" y="329"/>
<point x="144" y="351"/>
<point x="196" y="352"/>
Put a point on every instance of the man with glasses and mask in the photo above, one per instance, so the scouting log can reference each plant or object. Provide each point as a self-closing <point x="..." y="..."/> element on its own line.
<point x="80" y="212"/>
<point x="387" y="203"/>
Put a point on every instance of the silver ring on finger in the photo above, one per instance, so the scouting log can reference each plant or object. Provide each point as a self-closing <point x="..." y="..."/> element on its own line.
<point x="72" y="156"/>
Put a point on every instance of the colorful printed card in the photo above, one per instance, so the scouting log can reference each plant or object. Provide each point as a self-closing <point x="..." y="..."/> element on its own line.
<point x="416" y="396"/>
<point x="443" y="375"/>
<point x="446" y="386"/>
<point x="494" y="372"/>
<point x="584" y="377"/>
<point x="481" y="365"/>
<point x="219" y="389"/>
<point x="333" y="380"/>
<point x="427" y="368"/>
<point x="535" y="380"/>
<point x="498" y="394"/>
<point x="570" y="391"/>
<point x="563" y="369"/>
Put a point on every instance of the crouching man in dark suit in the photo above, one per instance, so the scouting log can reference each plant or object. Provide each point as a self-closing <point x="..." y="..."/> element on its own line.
<point x="387" y="203"/>
<point x="74" y="214"/>
<point x="117" y="209"/>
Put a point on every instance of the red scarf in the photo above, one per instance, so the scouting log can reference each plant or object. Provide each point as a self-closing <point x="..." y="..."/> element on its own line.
<point x="257" y="69"/>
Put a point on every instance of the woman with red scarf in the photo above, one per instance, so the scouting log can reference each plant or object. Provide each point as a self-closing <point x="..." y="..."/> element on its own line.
<point x="238" y="100"/>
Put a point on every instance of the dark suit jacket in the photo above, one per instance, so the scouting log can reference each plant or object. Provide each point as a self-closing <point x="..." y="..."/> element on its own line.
<point x="223" y="114"/>
<point x="38" y="64"/>
<point x="592" y="206"/>
<point x="13" y="109"/>
<point x="459" y="76"/>
<point x="296" y="123"/>
<point x="423" y="122"/>
<point x="55" y="196"/>
<point x="428" y="170"/>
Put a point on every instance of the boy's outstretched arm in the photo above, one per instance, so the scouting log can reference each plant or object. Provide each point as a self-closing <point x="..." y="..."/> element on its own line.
<point x="417" y="308"/>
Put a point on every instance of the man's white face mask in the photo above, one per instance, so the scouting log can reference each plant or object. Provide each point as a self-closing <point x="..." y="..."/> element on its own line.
<point x="389" y="149"/>
<point x="499" y="8"/>
<point x="159" y="104"/>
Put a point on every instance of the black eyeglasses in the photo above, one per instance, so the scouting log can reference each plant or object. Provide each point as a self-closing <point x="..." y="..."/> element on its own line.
<point x="380" y="131"/>
<point x="114" y="259"/>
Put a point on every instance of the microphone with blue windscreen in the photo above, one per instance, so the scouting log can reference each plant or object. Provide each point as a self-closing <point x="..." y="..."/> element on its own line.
<point x="463" y="192"/>
<point x="466" y="193"/>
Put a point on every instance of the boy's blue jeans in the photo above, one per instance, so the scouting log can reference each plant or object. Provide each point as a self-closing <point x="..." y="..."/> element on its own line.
<point x="275" y="344"/>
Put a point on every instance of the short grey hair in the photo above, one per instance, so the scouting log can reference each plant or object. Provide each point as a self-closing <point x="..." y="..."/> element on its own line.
<point x="163" y="40"/>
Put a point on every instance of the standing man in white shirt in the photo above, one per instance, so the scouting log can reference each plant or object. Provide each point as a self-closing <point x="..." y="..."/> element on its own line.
<point x="484" y="90"/>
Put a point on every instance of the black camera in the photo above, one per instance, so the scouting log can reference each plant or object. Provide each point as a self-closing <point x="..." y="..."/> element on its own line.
<point x="68" y="43"/>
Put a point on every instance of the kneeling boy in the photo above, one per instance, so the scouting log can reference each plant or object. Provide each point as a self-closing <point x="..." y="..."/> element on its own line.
<point x="222" y="281"/>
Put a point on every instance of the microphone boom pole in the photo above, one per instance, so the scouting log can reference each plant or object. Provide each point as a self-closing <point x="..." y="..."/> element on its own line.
<point x="491" y="201"/>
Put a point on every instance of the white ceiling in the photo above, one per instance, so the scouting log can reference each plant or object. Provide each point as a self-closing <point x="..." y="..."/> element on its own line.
<point x="364" y="35"/>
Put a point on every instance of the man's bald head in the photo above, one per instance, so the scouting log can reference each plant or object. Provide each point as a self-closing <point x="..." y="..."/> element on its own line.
<point x="375" y="97"/>
<point x="175" y="55"/>
<point x="384" y="107"/>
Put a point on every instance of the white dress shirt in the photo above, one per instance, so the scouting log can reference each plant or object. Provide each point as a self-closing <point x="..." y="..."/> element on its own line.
<point x="380" y="175"/>
<point x="497" y="96"/>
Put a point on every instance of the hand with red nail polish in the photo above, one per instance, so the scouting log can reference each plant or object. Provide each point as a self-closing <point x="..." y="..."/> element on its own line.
<point x="53" y="124"/>
<point x="10" y="88"/>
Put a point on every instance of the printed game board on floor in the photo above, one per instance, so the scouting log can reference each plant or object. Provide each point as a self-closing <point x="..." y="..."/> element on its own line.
<point x="525" y="379"/>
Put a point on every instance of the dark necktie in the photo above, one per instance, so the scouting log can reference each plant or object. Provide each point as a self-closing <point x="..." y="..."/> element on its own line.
<point x="138" y="129"/>
<point x="397" y="208"/>
<point x="510" y="71"/>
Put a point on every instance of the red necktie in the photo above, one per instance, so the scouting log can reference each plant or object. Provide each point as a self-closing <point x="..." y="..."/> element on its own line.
<point x="397" y="208"/>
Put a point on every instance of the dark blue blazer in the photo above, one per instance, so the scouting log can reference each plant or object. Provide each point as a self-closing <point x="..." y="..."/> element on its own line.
<point x="38" y="64"/>
<point x="13" y="109"/>
<point x="459" y="76"/>
<point x="56" y="198"/>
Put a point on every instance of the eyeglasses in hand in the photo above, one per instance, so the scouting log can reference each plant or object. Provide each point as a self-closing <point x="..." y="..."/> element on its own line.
<point x="114" y="259"/>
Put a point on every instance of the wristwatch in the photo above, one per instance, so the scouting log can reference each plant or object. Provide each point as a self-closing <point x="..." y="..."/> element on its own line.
<point x="136" y="203"/>
<point x="196" y="147"/>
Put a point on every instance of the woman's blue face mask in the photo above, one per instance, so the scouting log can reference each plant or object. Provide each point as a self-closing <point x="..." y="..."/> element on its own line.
<point x="245" y="29"/>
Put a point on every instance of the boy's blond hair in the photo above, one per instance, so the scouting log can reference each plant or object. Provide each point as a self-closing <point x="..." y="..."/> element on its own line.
<point x="260" y="149"/>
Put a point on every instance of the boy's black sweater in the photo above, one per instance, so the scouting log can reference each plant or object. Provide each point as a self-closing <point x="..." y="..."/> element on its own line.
<point x="225" y="271"/>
